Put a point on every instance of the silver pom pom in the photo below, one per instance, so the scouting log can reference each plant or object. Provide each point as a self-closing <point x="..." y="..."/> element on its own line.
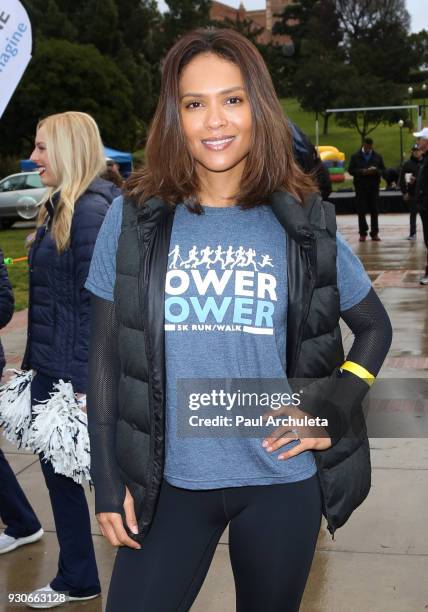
<point x="15" y="408"/>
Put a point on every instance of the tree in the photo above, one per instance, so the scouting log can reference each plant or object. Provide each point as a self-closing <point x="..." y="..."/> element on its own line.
<point x="365" y="91"/>
<point x="48" y="20"/>
<point x="319" y="84"/>
<point x="246" y="27"/>
<point x="294" y="21"/>
<point x="281" y="68"/>
<point x="351" y="53"/>
<point x="385" y="51"/>
<point x="183" y="16"/>
<point x="128" y="32"/>
<point x="98" y="25"/>
<point x="358" y="16"/>
<point x="316" y="83"/>
<point x="65" y="76"/>
<point x="419" y="44"/>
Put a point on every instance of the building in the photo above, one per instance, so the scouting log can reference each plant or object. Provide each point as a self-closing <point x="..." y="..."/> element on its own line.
<point x="264" y="18"/>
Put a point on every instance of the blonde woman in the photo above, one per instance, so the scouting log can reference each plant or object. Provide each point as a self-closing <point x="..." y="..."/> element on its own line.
<point x="70" y="157"/>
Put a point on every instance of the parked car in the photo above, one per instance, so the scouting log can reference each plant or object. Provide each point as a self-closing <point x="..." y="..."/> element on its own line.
<point x="20" y="196"/>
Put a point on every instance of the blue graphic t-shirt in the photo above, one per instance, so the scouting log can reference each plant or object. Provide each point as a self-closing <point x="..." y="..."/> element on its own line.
<point x="225" y="317"/>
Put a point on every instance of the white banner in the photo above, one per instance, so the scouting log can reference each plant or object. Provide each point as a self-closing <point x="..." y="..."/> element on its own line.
<point x="15" y="48"/>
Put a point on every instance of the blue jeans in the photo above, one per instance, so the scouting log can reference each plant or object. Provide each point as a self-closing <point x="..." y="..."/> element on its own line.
<point x="77" y="568"/>
<point x="15" y="509"/>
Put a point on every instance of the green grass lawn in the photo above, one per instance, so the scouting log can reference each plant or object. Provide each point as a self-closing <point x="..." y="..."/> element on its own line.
<point x="386" y="137"/>
<point x="12" y="245"/>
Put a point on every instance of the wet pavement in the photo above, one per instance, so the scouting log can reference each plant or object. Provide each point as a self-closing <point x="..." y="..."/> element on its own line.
<point x="378" y="561"/>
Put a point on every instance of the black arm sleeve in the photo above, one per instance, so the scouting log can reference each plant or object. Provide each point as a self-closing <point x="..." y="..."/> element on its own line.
<point x="335" y="396"/>
<point x="102" y="406"/>
<point x="370" y="324"/>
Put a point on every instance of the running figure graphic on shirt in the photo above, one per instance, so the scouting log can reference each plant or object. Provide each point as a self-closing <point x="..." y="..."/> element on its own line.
<point x="229" y="258"/>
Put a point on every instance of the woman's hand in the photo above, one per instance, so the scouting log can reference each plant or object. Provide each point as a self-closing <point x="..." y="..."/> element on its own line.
<point x="306" y="444"/>
<point x="112" y="528"/>
<point x="311" y="438"/>
<point x="81" y="401"/>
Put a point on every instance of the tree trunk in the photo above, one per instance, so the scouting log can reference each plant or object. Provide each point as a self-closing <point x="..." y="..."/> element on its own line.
<point x="326" y="117"/>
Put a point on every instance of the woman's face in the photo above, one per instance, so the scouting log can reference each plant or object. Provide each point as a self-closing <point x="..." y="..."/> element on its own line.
<point x="215" y="113"/>
<point x="40" y="157"/>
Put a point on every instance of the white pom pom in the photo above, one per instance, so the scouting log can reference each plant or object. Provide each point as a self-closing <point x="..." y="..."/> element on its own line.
<point x="60" y="432"/>
<point x="15" y="408"/>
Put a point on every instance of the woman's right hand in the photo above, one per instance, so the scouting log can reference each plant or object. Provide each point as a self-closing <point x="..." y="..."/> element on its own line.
<point x="112" y="528"/>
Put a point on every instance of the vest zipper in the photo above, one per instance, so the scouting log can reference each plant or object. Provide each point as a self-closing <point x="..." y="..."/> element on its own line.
<point x="142" y="299"/>
<point x="310" y="256"/>
<point x="310" y="259"/>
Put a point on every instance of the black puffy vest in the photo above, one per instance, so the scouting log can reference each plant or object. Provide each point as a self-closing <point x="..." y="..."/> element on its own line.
<point x="314" y="346"/>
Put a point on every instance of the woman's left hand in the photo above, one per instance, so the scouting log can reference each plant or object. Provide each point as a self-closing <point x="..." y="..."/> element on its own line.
<point x="81" y="400"/>
<point x="311" y="438"/>
<point x="304" y="445"/>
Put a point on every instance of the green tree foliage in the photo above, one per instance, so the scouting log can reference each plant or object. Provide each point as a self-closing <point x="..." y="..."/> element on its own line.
<point x="294" y="22"/>
<point x="359" y="16"/>
<point x="419" y="44"/>
<point x="66" y="76"/>
<point x="321" y="69"/>
<point x="48" y="20"/>
<point x="183" y="16"/>
<point x="102" y="32"/>
<point x="379" y="50"/>
<point x="281" y="68"/>
<point x="384" y="51"/>
<point x="246" y="27"/>
<point x="318" y="85"/>
<point x="368" y="91"/>
<point x="351" y="53"/>
<point x="126" y="31"/>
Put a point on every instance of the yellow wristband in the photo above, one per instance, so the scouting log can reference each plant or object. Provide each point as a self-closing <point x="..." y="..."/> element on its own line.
<point x="359" y="371"/>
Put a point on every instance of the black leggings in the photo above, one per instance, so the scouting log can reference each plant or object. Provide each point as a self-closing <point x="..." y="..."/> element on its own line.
<point x="273" y="531"/>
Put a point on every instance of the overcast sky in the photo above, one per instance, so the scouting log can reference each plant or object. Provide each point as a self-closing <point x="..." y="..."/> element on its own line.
<point x="418" y="10"/>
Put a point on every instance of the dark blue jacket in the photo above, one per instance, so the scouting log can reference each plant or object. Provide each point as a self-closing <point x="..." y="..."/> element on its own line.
<point x="59" y="305"/>
<point x="6" y="304"/>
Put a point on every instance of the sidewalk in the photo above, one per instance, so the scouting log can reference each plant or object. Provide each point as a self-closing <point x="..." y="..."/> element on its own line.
<point x="379" y="559"/>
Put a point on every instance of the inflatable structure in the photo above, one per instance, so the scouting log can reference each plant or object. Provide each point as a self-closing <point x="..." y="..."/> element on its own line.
<point x="334" y="161"/>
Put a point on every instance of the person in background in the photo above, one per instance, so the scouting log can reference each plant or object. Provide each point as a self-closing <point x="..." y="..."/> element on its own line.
<point x="408" y="175"/>
<point x="7" y="303"/>
<point x="421" y="191"/>
<point x="322" y="177"/>
<point x="69" y="156"/>
<point x="367" y="168"/>
<point x="22" y="524"/>
<point x="306" y="155"/>
<point x="112" y="173"/>
<point x="391" y="176"/>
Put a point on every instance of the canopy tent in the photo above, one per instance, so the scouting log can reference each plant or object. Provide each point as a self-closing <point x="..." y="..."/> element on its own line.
<point x="120" y="157"/>
<point x="123" y="159"/>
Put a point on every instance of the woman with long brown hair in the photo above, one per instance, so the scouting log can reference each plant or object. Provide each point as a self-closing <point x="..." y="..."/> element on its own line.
<point x="219" y="276"/>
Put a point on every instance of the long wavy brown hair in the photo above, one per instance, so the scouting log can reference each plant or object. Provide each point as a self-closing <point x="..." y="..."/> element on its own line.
<point x="170" y="171"/>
